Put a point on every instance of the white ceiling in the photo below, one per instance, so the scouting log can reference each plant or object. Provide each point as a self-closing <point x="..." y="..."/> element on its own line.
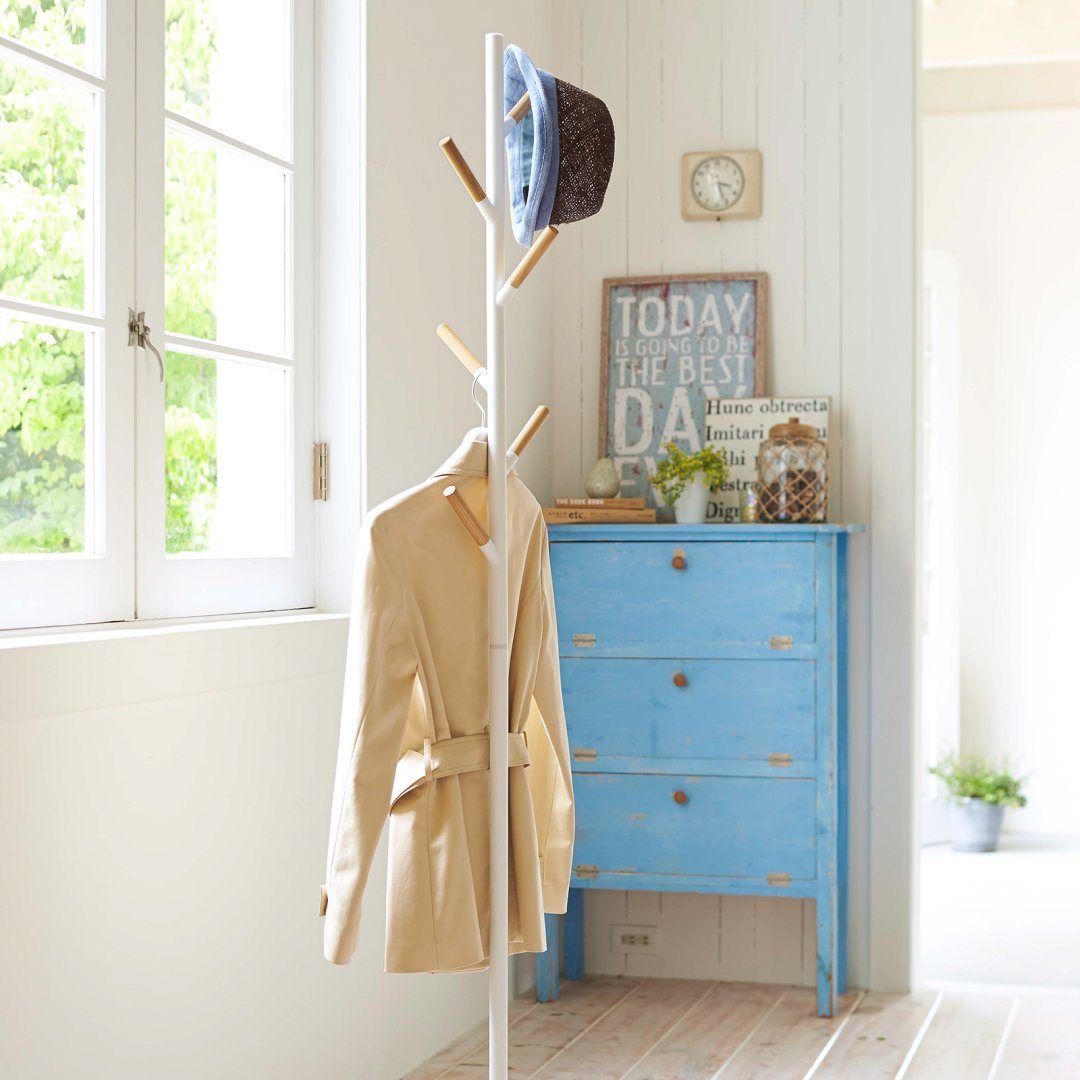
<point x="963" y="32"/>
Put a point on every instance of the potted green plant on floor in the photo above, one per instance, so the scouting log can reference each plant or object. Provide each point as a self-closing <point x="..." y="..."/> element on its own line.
<point x="978" y="792"/>
<point x="685" y="480"/>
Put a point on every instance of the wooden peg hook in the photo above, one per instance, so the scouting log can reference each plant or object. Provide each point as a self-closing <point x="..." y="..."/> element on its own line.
<point x="528" y="263"/>
<point x="517" y="113"/>
<point x="461" y="167"/>
<point x="532" y="426"/>
<point x="458" y="347"/>
<point x="467" y="517"/>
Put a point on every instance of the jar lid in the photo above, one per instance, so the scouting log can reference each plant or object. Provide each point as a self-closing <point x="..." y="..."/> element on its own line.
<point x="793" y="430"/>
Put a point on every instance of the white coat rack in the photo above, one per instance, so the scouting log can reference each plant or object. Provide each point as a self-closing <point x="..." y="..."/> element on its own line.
<point x="491" y="201"/>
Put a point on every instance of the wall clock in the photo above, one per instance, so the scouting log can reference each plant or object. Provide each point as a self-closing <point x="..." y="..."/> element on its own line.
<point x="719" y="185"/>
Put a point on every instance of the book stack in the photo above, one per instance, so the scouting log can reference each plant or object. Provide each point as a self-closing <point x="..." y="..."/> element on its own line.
<point x="586" y="511"/>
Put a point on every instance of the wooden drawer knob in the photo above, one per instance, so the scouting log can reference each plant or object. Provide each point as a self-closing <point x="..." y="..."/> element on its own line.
<point x="680" y="679"/>
<point x="681" y="798"/>
<point x="679" y="562"/>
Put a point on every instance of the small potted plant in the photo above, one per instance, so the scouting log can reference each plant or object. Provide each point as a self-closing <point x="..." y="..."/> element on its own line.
<point x="685" y="480"/>
<point x="978" y="795"/>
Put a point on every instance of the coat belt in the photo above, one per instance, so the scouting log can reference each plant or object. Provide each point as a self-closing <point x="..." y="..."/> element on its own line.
<point x="448" y="757"/>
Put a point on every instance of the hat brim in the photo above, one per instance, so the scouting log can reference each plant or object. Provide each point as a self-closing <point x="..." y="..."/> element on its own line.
<point x="532" y="145"/>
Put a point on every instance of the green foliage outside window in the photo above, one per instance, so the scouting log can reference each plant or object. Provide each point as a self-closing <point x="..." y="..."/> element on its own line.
<point x="190" y="273"/>
<point x="44" y="190"/>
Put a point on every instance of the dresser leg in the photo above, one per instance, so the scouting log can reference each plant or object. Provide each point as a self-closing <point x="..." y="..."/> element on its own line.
<point x="842" y="736"/>
<point x="547" y="963"/>
<point x="841" y="939"/>
<point x="574" y="936"/>
<point x="826" y="951"/>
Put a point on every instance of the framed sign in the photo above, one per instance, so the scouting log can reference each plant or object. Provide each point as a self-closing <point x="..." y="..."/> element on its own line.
<point x="669" y="343"/>
<point x="739" y="428"/>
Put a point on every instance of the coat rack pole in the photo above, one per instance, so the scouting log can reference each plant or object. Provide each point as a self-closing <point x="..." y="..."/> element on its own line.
<point x="498" y="670"/>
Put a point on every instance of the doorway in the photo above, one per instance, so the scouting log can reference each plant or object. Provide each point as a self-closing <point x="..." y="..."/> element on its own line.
<point x="998" y="373"/>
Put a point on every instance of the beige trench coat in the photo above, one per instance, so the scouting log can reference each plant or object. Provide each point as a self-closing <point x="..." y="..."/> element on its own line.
<point x="413" y="738"/>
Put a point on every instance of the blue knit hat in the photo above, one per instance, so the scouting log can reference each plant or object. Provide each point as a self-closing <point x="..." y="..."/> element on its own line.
<point x="560" y="154"/>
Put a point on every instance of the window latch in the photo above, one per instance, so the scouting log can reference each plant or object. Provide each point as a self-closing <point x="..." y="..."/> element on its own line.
<point x="139" y="336"/>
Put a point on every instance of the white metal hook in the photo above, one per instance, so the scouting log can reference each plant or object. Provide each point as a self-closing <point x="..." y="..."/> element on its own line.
<point x="476" y="401"/>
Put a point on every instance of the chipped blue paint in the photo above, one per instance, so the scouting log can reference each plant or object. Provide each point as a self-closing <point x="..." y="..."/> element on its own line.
<point x="641" y="738"/>
<point x="547" y="966"/>
<point x="725" y="711"/>
<point x="826" y="905"/>
<point x="737" y="592"/>
<point x="729" y="826"/>
<point x="843" y="824"/>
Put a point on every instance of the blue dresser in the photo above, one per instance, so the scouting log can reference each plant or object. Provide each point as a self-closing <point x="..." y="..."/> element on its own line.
<point x="704" y="673"/>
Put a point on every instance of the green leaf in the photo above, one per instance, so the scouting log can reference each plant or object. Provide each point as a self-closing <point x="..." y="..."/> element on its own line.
<point x="977" y="778"/>
<point x="678" y="469"/>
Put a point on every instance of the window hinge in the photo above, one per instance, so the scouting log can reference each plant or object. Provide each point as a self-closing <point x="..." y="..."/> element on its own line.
<point x="583" y="870"/>
<point x="584" y="753"/>
<point x="782" y="878"/>
<point x="780" y="760"/>
<point x="781" y="641"/>
<point x="320" y="472"/>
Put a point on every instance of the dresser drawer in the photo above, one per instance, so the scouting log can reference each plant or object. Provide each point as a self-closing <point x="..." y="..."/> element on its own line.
<point x="614" y="598"/>
<point x="728" y="826"/>
<point x="701" y="709"/>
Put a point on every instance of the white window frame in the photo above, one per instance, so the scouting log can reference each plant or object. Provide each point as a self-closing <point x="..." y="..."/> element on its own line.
<point x="125" y="573"/>
<point x="187" y="585"/>
<point x="98" y="583"/>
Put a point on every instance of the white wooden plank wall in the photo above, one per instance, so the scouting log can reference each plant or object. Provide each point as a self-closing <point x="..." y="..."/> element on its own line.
<point x="787" y="77"/>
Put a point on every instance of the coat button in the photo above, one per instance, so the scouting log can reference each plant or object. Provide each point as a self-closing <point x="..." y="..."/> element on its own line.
<point x="681" y="798"/>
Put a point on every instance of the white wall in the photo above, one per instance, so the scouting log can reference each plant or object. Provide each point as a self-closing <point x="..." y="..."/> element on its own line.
<point x="163" y="823"/>
<point x="824" y="90"/>
<point x="425" y="241"/>
<point x="1000" y="195"/>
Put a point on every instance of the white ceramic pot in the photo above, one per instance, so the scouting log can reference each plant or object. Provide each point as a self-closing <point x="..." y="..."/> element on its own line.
<point x="975" y="825"/>
<point x="692" y="504"/>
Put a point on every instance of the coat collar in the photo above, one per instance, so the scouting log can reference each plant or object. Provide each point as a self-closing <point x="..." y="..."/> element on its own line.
<point x="469" y="459"/>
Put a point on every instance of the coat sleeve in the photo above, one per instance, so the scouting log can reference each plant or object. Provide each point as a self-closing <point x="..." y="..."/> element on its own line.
<point x="380" y="671"/>
<point x="549" y="775"/>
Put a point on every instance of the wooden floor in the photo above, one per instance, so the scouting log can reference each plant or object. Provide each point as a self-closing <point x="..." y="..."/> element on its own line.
<point x="621" y="1028"/>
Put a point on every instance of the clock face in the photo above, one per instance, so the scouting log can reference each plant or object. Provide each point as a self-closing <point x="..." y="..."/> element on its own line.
<point x="717" y="183"/>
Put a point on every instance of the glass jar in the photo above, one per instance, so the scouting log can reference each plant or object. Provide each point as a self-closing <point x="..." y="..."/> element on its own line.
<point x="793" y="476"/>
<point x="748" y="504"/>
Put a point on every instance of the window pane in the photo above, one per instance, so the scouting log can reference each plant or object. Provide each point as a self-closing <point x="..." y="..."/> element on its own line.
<point x="226" y="66"/>
<point x="226" y="457"/>
<point x="66" y="30"/>
<point x="224" y="246"/>
<point x="42" y="438"/>
<point x="44" y="235"/>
